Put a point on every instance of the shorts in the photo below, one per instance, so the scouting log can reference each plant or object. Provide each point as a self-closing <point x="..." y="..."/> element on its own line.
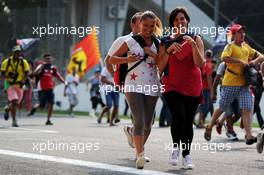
<point x="73" y="100"/>
<point x="112" y="98"/>
<point x="45" y="97"/>
<point x="234" y="109"/>
<point x="14" y="92"/>
<point x="230" y="93"/>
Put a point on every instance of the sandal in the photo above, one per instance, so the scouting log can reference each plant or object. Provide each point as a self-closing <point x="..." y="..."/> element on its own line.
<point x="207" y="133"/>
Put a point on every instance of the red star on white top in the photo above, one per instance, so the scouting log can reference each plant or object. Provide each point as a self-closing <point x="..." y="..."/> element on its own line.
<point x="150" y="65"/>
<point x="133" y="76"/>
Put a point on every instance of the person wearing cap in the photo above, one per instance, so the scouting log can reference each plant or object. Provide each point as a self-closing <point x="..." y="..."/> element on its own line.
<point x="15" y="69"/>
<point x="236" y="56"/>
<point x="95" y="94"/>
<point x="70" y="89"/>
<point x="45" y="73"/>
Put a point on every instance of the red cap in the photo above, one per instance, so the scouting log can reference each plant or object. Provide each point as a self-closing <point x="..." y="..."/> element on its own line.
<point x="236" y="27"/>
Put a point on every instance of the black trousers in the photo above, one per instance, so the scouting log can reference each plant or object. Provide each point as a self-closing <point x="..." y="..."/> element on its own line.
<point x="95" y="101"/>
<point x="182" y="110"/>
<point x="165" y="115"/>
<point x="258" y="94"/>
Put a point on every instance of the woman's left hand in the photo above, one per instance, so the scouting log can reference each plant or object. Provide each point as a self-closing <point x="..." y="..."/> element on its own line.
<point x="148" y="51"/>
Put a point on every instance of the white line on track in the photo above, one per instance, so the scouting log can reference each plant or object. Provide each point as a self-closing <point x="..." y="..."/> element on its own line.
<point x="17" y="130"/>
<point x="82" y="163"/>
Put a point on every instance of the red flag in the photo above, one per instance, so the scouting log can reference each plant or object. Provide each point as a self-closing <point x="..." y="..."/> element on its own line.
<point x="85" y="55"/>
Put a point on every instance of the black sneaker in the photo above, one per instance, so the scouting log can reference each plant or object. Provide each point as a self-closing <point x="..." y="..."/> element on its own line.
<point x="231" y="135"/>
<point x="14" y="123"/>
<point x="32" y="112"/>
<point x="251" y="141"/>
<point x="6" y="115"/>
<point x="117" y="120"/>
<point x="99" y="121"/>
<point x="49" y="122"/>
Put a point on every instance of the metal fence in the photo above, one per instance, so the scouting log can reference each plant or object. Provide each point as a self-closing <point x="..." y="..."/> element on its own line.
<point x="21" y="23"/>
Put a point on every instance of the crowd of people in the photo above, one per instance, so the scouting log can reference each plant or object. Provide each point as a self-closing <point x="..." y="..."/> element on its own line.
<point x="175" y="67"/>
<point x="189" y="82"/>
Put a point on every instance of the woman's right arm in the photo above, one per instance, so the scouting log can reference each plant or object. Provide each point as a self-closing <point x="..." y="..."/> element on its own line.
<point x="163" y="58"/>
<point x="118" y="59"/>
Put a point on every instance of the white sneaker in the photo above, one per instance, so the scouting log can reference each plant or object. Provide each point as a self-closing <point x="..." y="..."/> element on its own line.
<point x="174" y="159"/>
<point x="92" y="114"/>
<point x="260" y="142"/>
<point x="129" y="136"/>
<point x="187" y="162"/>
<point x="147" y="159"/>
<point x="140" y="161"/>
<point x="233" y="136"/>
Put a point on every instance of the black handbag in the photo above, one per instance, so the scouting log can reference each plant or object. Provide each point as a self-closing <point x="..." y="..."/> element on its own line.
<point x="251" y="76"/>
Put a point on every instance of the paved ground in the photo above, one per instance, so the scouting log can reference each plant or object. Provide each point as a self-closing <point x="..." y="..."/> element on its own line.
<point x="80" y="146"/>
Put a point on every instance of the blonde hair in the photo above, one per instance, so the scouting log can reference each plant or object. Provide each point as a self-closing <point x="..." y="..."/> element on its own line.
<point x="158" y="31"/>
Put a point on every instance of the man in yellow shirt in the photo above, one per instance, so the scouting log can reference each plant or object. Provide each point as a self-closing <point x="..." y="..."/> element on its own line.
<point x="236" y="56"/>
<point x="15" y="70"/>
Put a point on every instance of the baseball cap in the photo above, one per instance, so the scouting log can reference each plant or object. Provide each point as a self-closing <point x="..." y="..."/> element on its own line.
<point x="47" y="57"/>
<point x="236" y="27"/>
<point x="16" y="48"/>
<point x="97" y="70"/>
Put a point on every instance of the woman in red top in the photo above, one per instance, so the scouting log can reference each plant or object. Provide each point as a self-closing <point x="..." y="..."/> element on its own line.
<point x="181" y="63"/>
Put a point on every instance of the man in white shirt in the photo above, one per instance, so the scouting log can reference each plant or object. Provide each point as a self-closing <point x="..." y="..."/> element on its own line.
<point x="111" y="96"/>
<point x="134" y="24"/>
<point x="70" y="89"/>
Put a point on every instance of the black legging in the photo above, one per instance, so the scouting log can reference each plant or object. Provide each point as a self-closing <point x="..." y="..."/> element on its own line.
<point x="182" y="110"/>
<point x="258" y="94"/>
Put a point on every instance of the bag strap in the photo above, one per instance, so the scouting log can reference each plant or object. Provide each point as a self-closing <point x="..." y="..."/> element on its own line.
<point x="232" y="72"/>
<point x="8" y="64"/>
<point x="143" y="44"/>
<point x="135" y="65"/>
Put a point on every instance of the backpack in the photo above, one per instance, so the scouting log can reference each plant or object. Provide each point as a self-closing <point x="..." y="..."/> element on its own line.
<point x="122" y="69"/>
<point x="21" y="61"/>
<point x="45" y="67"/>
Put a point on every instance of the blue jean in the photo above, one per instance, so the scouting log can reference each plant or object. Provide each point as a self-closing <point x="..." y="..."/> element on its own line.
<point x="112" y="98"/>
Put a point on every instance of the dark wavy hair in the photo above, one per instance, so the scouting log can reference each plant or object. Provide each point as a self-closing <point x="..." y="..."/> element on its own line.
<point x="175" y="12"/>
